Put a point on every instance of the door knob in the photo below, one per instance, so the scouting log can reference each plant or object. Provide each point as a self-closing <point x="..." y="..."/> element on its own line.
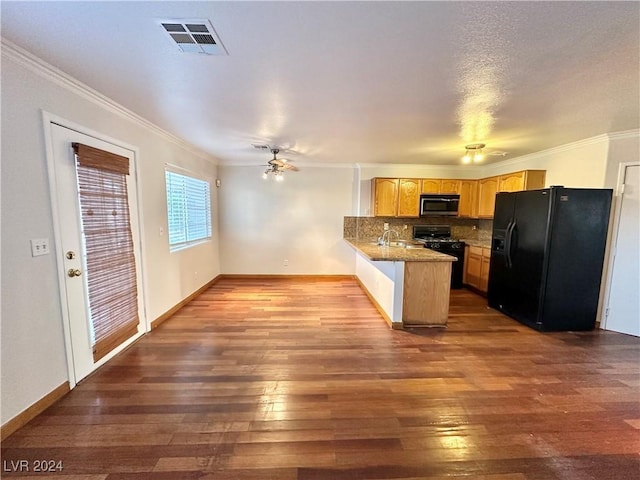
<point x="74" y="272"/>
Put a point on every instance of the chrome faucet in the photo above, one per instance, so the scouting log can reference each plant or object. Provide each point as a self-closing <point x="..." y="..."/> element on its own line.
<point x="387" y="233"/>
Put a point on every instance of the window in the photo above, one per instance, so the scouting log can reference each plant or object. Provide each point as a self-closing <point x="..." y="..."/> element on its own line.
<point x="188" y="210"/>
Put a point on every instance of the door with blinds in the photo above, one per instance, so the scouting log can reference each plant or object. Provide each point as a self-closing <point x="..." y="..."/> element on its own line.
<point x="95" y="202"/>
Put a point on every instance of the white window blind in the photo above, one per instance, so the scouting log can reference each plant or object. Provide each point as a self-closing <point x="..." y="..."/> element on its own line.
<point x="188" y="209"/>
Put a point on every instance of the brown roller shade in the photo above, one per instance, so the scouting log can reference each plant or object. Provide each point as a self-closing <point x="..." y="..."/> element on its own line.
<point x="93" y="157"/>
<point x="110" y="262"/>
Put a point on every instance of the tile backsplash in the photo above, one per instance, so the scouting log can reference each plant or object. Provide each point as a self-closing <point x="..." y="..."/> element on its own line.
<point x="370" y="228"/>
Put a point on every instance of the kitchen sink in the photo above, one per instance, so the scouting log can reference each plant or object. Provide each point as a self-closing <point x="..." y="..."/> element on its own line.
<point x="401" y="244"/>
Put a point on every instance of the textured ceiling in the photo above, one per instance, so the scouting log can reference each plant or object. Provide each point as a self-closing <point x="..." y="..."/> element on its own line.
<point x="367" y="82"/>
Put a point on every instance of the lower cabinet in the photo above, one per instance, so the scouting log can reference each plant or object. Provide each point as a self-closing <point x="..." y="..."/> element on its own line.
<point x="484" y="270"/>
<point x="476" y="267"/>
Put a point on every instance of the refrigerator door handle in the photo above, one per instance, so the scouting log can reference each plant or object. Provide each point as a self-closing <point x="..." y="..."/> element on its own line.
<point x="507" y="247"/>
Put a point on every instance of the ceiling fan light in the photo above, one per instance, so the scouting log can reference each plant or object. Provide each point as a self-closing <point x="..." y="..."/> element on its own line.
<point x="279" y="177"/>
<point x="265" y="175"/>
<point x="473" y="152"/>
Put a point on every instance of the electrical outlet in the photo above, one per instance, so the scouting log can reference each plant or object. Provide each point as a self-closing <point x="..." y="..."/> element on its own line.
<point x="39" y="246"/>
<point x="286" y="263"/>
<point x="404" y="227"/>
<point x="385" y="226"/>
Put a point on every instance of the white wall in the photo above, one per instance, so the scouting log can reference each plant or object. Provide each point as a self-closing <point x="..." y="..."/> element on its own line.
<point x="264" y="222"/>
<point x="385" y="283"/>
<point x="33" y="351"/>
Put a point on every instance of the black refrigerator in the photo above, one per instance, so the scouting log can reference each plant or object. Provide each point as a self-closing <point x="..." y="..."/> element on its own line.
<point x="547" y="255"/>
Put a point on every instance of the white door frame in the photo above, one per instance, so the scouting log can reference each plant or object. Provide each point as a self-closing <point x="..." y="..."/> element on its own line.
<point x="622" y="169"/>
<point x="48" y="120"/>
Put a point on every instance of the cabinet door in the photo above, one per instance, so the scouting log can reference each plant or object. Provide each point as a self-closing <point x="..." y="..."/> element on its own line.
<point x="473" y="268"/>
<point x="450" y="186"/>
<point x="468" y="198"/>
<point x="466" y="265"/>
<point x="484" y="269"/>
<point x="487" y="189"/>
<point x="534" y="179"/>
<point x="385" y="197"/>
<point x="513" y="182"/>
<point x="430" y="185"/>
<point x="409" y="197"/>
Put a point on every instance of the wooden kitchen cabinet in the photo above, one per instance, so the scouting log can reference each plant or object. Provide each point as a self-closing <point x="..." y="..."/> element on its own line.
<point x="396" y="197"/>
<point x="449" y="186"/>
<point x="430" y="185"/>
<point x="440" y="185"/>
<point x="409" y="197"/>
<point x="476" y="267"/>
<point x="484" y="269"/>
<point x="400" y="197"/>
<point x="487" y="189"/>
<point x="522" y="180"/>
<point x="468" y="206"/>
<point x="385" y="196"/>
<point x="473" y="266"/>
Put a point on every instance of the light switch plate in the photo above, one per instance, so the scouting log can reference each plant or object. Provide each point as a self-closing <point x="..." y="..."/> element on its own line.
<point x="39" y="246"/>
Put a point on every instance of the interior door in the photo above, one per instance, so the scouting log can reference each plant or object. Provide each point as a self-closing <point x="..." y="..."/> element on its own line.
<point x="624" y="304"/>
<point x="70" y="250"/>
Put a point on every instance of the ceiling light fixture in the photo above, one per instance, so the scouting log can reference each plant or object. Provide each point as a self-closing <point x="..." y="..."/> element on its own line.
<point x="277" y="166"/>
<point x="473" y="153"/>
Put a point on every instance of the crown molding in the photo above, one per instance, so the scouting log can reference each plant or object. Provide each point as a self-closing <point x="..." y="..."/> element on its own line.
<point x="598" y="139"/>
<point x="28" y="60"/>
<point x="635" y="133"/>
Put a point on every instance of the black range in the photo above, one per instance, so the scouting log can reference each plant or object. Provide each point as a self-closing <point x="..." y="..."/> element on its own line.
<point x="438" y="238"/>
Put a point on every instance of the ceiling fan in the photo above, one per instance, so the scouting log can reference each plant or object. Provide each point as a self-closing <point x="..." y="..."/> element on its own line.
<point x="277" y="166"/>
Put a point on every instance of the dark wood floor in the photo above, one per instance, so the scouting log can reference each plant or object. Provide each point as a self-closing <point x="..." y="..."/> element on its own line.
<point x="285" y="379"/>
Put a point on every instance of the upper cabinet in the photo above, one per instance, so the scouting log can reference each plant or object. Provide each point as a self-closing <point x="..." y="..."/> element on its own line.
<point x="523" y="180"/>
<point x="449" y="186"/>
<point x="385" y="196"/>
<point x="468" y="206"/>
<point x="439" y="185"/>
<point x="430" y="185"/>
<point x="400" y="197"/>
<point x="487" y="189"/>
<point x="510" y="182"/>
<point x="396" y="197"/>
<point x="409" y="197"/>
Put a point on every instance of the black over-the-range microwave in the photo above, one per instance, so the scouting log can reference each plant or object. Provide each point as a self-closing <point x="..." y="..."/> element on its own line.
<point x="439" y="204"/>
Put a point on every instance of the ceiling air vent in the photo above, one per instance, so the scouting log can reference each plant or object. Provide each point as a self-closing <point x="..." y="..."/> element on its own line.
<point x="193" y="36"/>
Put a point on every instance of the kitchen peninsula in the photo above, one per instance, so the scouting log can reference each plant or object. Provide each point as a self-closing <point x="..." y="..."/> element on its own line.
<point x="409" y="284"/>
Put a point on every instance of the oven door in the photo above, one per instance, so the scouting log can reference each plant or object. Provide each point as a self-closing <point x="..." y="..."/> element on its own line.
<point x="439" y="205"/>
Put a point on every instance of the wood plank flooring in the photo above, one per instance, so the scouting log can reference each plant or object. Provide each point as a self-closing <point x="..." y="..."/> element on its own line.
<point x="303" y="380"/>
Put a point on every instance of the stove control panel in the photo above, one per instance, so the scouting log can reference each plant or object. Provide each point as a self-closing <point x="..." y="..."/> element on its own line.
<point x="444" y="245"/>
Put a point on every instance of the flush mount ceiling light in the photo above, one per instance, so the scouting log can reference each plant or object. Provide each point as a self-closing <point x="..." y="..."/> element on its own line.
<point x="277" y="166"/>
<point x="193" y="36"/>
<point x="473" y="153"/>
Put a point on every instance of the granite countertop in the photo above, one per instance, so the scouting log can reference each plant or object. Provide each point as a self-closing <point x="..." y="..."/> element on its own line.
<point x="415" y="253"/>
<point x="478" y="243"/>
